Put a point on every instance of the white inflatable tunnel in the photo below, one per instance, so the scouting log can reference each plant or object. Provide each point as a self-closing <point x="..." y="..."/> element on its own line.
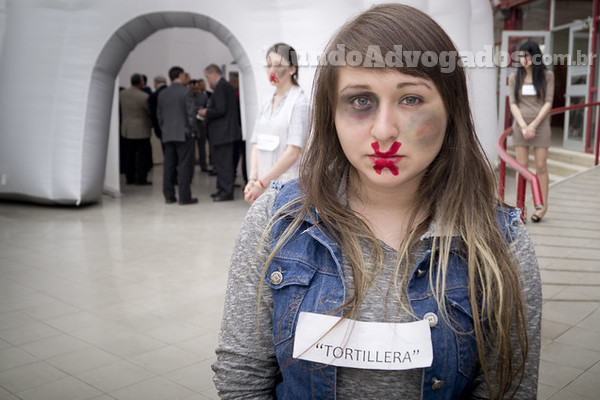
<point x="59" y="61"/>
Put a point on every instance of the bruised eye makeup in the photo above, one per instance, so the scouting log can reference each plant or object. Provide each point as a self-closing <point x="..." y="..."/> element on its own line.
<point x="361" y="103"/>
<point x="358" y="102"/>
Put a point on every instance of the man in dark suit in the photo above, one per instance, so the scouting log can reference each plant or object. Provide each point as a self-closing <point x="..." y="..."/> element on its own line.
<point x="135" y="128"/>
<point x="160" y="84"/>
<point x="223" y="130"/>
<point x="176" y="114"/>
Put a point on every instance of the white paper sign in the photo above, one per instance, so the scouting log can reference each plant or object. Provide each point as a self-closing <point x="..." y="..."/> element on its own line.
<point x="365" y="345"/>
<point x="528" y="90"/>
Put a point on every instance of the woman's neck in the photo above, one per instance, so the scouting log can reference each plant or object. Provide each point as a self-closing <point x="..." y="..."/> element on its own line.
<point x="282" y="88"/>
<point x="387" y="211"/>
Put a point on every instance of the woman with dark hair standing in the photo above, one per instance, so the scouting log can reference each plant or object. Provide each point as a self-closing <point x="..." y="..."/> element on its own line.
<point x="390" y="269"/>
<point x="281" y="127"/>
<point x="531" y="90"/>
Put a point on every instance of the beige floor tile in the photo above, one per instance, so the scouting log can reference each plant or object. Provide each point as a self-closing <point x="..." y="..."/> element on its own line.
<point x="115" y="376"/>
<point x="551" y="330"/>
<point x="164" y="360"/>
<point x="557" y="375"/>
<point x="6" y="395"/>
<point x="580" y="293"/>
<point x="570" y="313"/>
<point x="570" y="395"/>
<point x="545" y="392"/>
<point x="580" y="337"/>
<point x="15" y="319"/>
<point x="82" y="360"/>
<point x="75" y="321"/>
<point x="571" y="356"/>
<point x="67" y="388"/>
<point x="153" y="389"/>
<point x="175" y="332"/>
<point x="54" y="346"/>
<point x="585" y="385"/>
<point x="132" y="345"/>
<point x="29" y="376"/>
<point x="30" y="332"/>
<point x="12" y="357"/>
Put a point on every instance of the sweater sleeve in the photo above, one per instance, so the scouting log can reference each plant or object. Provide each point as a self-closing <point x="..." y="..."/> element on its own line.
<point x="524" y="253"/>
<point x="246" y="367"/>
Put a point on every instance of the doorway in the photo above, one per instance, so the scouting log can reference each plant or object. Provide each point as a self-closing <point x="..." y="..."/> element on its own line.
<point x="114" y="53"/>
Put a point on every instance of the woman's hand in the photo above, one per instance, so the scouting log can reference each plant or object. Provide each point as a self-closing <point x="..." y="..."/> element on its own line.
<point x="529" y="132"/>
<point x="252" y="191"/>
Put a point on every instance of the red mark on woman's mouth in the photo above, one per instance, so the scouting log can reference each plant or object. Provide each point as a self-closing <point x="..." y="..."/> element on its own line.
<point x="387" y="159"/>
<point x="390" y="152"/>
<point x="273" y="78"/>
<point x="389" y="163"/>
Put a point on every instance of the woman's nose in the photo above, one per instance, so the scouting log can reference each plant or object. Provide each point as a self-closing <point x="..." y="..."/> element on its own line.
<point x="385" y="126"/>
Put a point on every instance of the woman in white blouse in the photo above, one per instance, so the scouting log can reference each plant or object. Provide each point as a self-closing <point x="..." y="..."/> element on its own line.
<point x="281" y="127"/>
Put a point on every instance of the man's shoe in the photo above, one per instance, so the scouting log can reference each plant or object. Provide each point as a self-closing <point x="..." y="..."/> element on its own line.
<point x="170" y="200"/>
<point x="215" y="194"/>
<point x="212" y="172"/>
<point x="143" y="183"/>
<point x="223" y="197"/>
<point x="193" y="200"/>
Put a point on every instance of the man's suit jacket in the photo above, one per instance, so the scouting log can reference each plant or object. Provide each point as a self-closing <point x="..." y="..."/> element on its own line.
<point x="153" y="104"/>
<point x="135" y="114"/>
<point x="222" y="115"/>
<point x="176" y="113"/>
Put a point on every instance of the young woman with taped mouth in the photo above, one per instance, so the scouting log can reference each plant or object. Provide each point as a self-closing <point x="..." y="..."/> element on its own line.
<point x="281" y="128"/>
<point x="390" y="268"/>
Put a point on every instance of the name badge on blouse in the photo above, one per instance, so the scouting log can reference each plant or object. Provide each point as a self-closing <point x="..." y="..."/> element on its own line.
<point x="267" y="142"/>
<point x="365" y="345"/>
<point x="528" y="90"/>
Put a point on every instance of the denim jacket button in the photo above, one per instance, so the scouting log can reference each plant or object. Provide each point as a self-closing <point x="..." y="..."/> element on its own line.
<point x="276" y="278"/>
<point x="436" y="384"/>
<point x="432" y="318"/>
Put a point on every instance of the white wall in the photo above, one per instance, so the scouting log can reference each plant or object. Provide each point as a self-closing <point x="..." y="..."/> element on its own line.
<point x="191" y="49"/>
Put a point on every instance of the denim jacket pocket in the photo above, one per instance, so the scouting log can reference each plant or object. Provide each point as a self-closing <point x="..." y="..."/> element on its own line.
<point x="461" y="318"/>
<point x="289" y="279"/>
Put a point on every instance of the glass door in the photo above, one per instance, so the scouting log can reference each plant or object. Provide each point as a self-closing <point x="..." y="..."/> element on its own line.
<point x="578" y="71"/>
<point x="511" y="41"/>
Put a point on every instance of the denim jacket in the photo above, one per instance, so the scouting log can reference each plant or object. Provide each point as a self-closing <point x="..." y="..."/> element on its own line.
<point x="307" y="275"/>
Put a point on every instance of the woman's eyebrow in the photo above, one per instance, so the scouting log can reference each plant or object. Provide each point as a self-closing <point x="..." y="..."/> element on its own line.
<point x="362" y="87"/>
<point x="400" y="85"/>
<point x="405" y="84"/>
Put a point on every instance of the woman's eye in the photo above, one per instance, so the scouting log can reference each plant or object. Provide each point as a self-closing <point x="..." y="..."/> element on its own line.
<point x="411" y="101"/>
<point x="361" y="103"/>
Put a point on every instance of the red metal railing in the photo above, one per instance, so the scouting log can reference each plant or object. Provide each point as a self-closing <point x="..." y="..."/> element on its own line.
<point x="524" y="173"/>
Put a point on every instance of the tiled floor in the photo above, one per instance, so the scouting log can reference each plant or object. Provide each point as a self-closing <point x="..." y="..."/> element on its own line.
<point x="567" y="244"/>
<point x="122" y="300"/>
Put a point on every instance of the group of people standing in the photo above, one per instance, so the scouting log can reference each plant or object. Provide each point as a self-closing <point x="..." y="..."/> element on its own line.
<point x="184" y="113"/>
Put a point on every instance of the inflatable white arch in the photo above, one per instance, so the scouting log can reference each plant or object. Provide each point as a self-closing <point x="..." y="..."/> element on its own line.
<point x="59" y="61"/>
